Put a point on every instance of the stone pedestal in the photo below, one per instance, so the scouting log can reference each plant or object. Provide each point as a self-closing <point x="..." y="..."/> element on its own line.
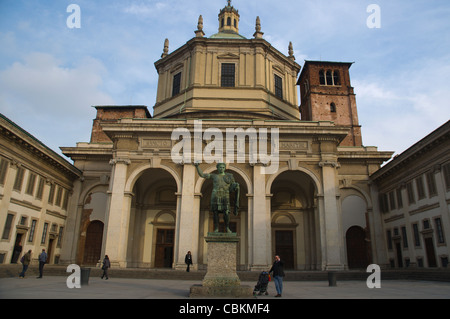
<point x="221" y="279"/>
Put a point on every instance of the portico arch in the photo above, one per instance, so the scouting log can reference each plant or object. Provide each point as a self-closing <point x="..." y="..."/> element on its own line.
<point x="295" y="224"/>
<point x="152" y="216"/>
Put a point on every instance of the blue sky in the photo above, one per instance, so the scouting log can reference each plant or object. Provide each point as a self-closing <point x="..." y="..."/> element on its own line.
<point x="51" y="75"/>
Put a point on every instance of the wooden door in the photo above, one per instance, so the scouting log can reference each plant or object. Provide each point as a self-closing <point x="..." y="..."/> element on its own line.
<point x="284" y="247"/>
<point x="357" y="254"/>
<point x="431" y="256"/>
<point x="164" y="248"/>
<point x="93" y="244"/>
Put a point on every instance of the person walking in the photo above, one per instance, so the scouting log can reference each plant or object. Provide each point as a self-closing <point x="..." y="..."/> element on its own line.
<point x="42" y="261"/>
<point x="188" y="260"/>
<point x="278" y="274"/>
<point x="25" y="260"/>
<point x="106" y="265"/>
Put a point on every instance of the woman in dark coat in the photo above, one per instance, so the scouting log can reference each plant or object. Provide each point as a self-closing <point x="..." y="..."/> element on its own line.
<point x="188" y="260"/>
<point x="106" y="265"/>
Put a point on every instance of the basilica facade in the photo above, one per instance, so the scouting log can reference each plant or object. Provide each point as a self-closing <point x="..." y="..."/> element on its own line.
<point x="303" y="170"/>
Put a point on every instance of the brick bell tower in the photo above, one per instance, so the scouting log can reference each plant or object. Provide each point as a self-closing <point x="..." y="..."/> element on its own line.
<point x="327" y="95"/>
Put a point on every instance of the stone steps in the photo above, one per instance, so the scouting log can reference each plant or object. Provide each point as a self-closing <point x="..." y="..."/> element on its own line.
<point x="8" y="271"/>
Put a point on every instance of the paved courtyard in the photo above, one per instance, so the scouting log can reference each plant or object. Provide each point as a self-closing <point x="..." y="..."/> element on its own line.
<point x="55" y="287"/>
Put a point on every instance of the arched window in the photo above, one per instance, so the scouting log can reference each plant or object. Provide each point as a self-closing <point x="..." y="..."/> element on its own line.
<point x="223" y="22"/>
<point x="229" y="21"/>
<point x="322" y="77"/>
<point x="235" y="23"/>
<point x="329" y="78"/>
<point x="332" y="107"/>
<point x="336" y="79"/>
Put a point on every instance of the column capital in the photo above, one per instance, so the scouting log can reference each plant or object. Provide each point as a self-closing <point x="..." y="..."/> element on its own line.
<point x="334" y="164"/>
<point x="115" y="161"/>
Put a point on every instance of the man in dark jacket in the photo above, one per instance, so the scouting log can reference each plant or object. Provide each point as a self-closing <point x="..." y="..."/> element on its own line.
<point x="278" y="274"/>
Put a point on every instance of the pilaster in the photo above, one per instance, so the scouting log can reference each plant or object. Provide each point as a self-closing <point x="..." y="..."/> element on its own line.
<point x="118" y="215"/>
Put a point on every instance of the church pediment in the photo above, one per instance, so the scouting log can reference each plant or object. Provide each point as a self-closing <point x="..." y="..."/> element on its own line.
<point x="228" y="56"/>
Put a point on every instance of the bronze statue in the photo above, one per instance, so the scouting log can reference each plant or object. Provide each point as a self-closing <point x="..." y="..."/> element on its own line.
<point x="223" y="185"/>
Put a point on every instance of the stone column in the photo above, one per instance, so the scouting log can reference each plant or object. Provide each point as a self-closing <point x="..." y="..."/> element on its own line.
<point x="330" y="219"/>
<point x="118" y="215"/>
<point x="260" y="222"/>
<point x="187" y="218"/>
<point x="72" y="233"/>
<point x="377" y="236"/>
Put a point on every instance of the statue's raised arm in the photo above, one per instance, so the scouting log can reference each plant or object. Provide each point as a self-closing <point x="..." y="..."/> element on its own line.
<point x="200" y="172"/>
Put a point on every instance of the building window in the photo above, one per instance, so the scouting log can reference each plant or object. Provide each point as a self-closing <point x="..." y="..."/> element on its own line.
<point x="420" y="188"/>
<point x="3" y="170"/>
<point x="399" y="198"/>
<point x="439" y="230"/>
<point x="278" y="87"/>
<point x="404" y="237"/>
<point x="329" y="78"/>
<point x="416" y="235"/>
<point x="332" y="107"/>
<point x="228" y="74"/>
<point x="228" y="21"/>
<point x="44" y="233"/>
<point x="322" y="77"/>
<point x="176" y="86"/>
<point x="8" y="225"/>
<point x="431" y="183"/>
<point x="31" y="183"/>
<point x="392" y="200"/>
<point x="59" y="196"/>
<point x="410" y="191"/>
<point x="32" y="230"/>
<point x="51" y="194"/>
<point x="40" y="189"/>
<point x="19" y="179"/>
<point x="60" y="234"/>
<point x="336" y="79"/>
<point x="447" y="175"/>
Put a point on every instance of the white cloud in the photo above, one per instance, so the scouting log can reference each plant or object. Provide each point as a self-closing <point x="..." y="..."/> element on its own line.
<point x="401" y="108"/>
<point x="42" y="95"/>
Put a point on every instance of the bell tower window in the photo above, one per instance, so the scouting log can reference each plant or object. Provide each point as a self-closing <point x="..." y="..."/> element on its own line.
<point x="329" y="77"/>
<point x="336" y="79"/>
<point x="322" y="77"/>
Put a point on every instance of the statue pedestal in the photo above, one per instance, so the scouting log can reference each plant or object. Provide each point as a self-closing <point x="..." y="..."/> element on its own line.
<point x="221" y="279"/>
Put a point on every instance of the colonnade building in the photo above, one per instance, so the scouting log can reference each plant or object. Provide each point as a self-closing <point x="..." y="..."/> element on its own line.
<point x="303" y="170"/>
<point x="142" y="203"/>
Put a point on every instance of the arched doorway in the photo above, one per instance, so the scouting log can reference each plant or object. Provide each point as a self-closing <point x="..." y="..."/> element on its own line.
<point x="93" y="244"/>
<point x="152" y="220"/>
<point x="293" y="220"/>
<point x="357" y="253"/>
